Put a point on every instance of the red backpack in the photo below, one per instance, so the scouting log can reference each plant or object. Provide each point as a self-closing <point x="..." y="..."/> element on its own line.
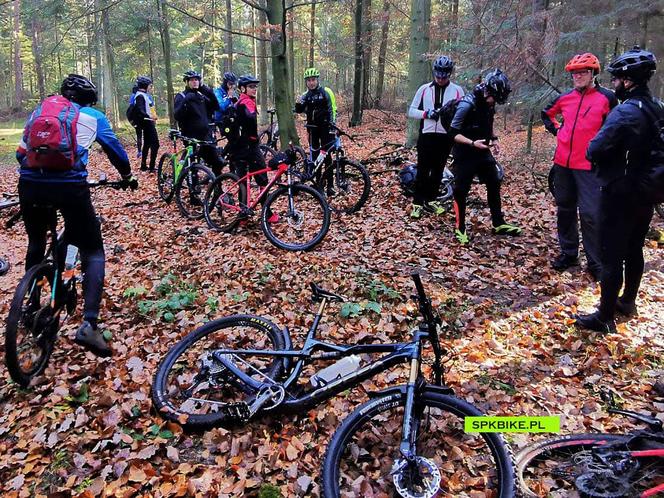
<point x="51" y="135"/>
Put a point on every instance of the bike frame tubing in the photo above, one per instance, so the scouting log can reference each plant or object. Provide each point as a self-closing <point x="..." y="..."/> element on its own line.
<point x="262" y="190"/>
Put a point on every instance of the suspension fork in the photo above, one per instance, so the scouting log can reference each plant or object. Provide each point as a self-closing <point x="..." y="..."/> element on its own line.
<point x="411" y="423"/>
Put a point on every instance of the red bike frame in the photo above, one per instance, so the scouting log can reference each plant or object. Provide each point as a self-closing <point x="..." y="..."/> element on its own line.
<point x="281" y="169"/>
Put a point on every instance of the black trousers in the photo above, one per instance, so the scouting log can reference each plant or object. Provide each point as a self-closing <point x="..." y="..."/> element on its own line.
<point x="433" y="149"/>
<point x="81" y="229"/>
<point x="249" y="158"/>
<point x="469" y="164"/>
<point x="210" y="155"/>
<point x="322" y="138"/>
<point x="150" y="144"/>
<point x="624" y="221"/>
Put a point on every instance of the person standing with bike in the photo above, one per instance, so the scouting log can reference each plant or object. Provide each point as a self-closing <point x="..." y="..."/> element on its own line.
<point x="145" y="118"/>
<point x="433" y="142"/>
<point x="193" y="110"/>
<point x="320" y="106"/>
<point x="472" y="131"/>
<point x="56" y="176"/>
<point x="583" y="109"/>
<point x="225" y="96"/>
<point x="620" y="153"/>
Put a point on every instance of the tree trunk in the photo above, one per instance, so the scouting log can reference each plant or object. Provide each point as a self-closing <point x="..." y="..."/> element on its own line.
<point x="418" y="66"/>
<point x="150" y="53"/>
<point x="254" y="46"/>
<point x="367" y="42"/>
<point x="382" y="51"/>
<point x="111" y="102"/>
<point x="213" y="40"/>
<point x="312" y="37"/>
<point x="166" y="47"/>
<point x="356" y="118"/>
<point x="36" y="29"/>
<point x="229" y="39"/>
<point x="18" y="64"/>
<point x="262" y="68"/>
<point x="98" y="51"/>
<point x="88" y="40"/>
<point x="291" y="49"/>
<point x="283" y="104"/>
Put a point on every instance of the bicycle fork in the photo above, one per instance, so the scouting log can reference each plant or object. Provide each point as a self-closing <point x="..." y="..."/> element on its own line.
<point x="410" y="425"/>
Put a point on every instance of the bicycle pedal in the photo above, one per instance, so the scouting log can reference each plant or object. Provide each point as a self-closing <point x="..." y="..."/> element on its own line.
<point x="238" y="411"/>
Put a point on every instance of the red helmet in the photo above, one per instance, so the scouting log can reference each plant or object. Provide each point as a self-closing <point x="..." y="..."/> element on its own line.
<point x="583" y="61"/>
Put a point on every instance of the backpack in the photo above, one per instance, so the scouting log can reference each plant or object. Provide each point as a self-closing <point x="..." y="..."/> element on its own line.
<point x="130" y="113"/>
<point x="228" y="125"/>
<point x="51" y="135"/>
<point x="447" y="112"/>
<point x="407" y="176"/>
<point x="650" y="179"/>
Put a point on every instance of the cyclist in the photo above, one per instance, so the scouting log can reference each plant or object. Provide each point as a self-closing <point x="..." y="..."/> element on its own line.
<point x="584" y="109"/>
<point x="225" y="95"/>
<point x="472" y="130"/>
<point x="320" y="106"/>
<point x="618" y="152"/>
<point x="245" y="150"/>
<point x="433" y="142"/>
<point x="65" y="189"/>
<point x="194" y="108"/>
<point x="145" y="117"/>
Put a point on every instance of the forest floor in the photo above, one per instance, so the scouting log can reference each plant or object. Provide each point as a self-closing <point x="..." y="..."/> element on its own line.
<point x="87" y="425"/>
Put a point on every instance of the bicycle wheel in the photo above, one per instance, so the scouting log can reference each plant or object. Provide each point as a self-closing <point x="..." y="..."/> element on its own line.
<point x="166" y="177"/>
<point x="268" y="152"/>
<point x="568" y="467"/>
<point x="303" y="218"/>
<point x="223" y="201"/>
<point x="4" y="266"/>
<point x="363" y="458"/>
<point x="31" y="325"/>
<point x="195" y="389"/>
<point x="350" y="186"/>
<point x="190" y="190"/>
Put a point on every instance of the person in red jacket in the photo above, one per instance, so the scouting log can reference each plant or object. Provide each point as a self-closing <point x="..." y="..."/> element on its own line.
<point x="576" y="188"/>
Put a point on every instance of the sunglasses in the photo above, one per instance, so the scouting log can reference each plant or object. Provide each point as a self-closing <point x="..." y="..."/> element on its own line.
<point x="252" y="86"/>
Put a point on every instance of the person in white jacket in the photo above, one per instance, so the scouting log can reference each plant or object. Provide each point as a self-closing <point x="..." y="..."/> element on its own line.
<point x="433" y="143"/>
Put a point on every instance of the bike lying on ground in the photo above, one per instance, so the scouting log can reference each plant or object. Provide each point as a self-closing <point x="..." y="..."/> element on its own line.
<point x="42" y="295"/>
<point x="596" y="465"/>
<point x="407" y="440"/>
<point x="294" y="217"/>
<point x="182" y="174"/>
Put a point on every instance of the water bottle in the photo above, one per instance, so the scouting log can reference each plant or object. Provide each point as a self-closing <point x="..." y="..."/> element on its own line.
<point x="335" y="371"/>
<point x="70" y="259"/>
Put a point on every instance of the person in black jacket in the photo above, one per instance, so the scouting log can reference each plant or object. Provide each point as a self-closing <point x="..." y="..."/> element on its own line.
<point x="619" y="153"/>
<point x="194" y="110"/>
<point x="472" y="131"/>
<point x="145" y="118"/>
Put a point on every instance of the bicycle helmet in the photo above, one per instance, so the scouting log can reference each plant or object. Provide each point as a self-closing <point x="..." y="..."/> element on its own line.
<point x="443" y="67"/>
<point x="311" y="72"/>
<point x="142" y="82"/>
<point x="247" y="79"/>
<point x="229" y="77"/>
<point x="636" y="64"/>
<point x="79" y="89"/>
<point x="583" y="61"/>
<point x="191" y="75"/>
<point x="497" y="85"/>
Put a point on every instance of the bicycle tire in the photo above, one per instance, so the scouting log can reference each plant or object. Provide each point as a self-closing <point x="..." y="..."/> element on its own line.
<point x="294" y="221"/>
<point x="4" y="266"/>
<point x="347" y="177"/>
<point x="39" y="318"/>
<point x="569" y="449"/>
<point x="267" y="151"/>
<point x="225" y="186"/>
<point x="387" y="432"/>
<point x="166" y="177"/>
<point x="260" y="332"/>
<point x="189" y="193"/>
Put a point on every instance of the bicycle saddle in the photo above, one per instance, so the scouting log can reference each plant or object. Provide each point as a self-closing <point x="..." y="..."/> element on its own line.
<point x="318" y="294"/>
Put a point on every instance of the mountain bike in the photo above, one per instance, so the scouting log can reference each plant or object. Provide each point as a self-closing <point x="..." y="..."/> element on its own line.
<point x="42" y="295"/>
<point x="596" y="465"/>
<point x="8" y="201"/>
<point x="294" y="217"/>
<point x="407" y="440"/>
<point x="182" y="174"/>
<point x="345" y="183"/>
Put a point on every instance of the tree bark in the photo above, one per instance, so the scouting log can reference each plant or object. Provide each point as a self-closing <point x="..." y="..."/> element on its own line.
<point x="18" y="63"/>
<point x="254" y="47"/>
<point x="229" y="39"/>
<point x="382" y="52"/>
<point x="312" y="37"/>
<point x="111" y="101"/>
<point x="356" y="118"/>
<point x="291" y="49"/>
<point x="418" y="66"/>
<point x="166" y="47"/>
<point x="367" y="42"/>
<point x="35" y="32"/>
<point x="150" y="52"/>
<point x="280" y="73"/>
<point x="262" y="68"/>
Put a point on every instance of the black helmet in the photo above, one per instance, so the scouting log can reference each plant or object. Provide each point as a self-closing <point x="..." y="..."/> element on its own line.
<point x="191" y="75"/>
<point x="143" y="82"/>
<point x="636" y="64"/>
<point x="443" y="66"/>
<point x="79" y="89"/>
<point x="247" y="79"/>
<point x="497" y="85"/>
<point x="230" y="77"/>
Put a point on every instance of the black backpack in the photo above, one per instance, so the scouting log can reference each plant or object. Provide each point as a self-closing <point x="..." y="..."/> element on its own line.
<point x="130" y="113"/>
<point x="407" y="176"/>
<point x="228" y="125"/>
<point x="650" y="179"/>
<point x="447" y="113"/>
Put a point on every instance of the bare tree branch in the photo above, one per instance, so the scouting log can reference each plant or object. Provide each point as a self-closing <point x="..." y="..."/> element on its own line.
<point x="254" y="5"/>
<point x="303" y="4"/>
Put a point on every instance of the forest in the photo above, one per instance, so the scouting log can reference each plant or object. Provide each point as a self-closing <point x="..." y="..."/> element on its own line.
<point x="508" y="340"/>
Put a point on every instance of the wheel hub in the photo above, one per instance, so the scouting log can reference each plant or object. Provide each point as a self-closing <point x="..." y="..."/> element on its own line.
<point x="417" y="479"/>
<point x="602" y="484"/>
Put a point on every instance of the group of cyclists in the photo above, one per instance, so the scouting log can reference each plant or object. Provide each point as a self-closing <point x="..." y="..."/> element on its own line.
<point x="596" y="158"/>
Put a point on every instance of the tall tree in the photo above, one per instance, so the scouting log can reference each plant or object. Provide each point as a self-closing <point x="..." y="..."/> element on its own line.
<point x="418" y="65"/>
<point x="312" y="37"/>
<point x="18" y="63"/>
<point x="111" y="100"/>
<point x="356" y="118"/>
<point x="290" y="19"/>
<point x="35" y="34"/>
<point x="166" y="47"/>
<point x="367" y="42"/>
<point x="382" y="52"/>
<point x="262" y="66"/>
<point x="228" y="66"/>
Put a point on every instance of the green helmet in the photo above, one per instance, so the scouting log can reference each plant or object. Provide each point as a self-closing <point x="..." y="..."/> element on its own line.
<point x="311" y="72"/>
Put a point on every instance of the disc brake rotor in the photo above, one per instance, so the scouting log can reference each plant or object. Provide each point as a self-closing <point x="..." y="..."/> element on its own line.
<point x="602" y="484"/>
<point x="419" y="479"/>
